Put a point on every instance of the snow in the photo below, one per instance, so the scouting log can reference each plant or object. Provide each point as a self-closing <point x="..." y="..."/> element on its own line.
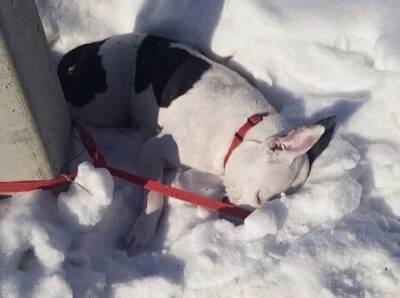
<point x="87" y="199"/>
<point x="264" y="221"/>
<point x="338" y="236"/>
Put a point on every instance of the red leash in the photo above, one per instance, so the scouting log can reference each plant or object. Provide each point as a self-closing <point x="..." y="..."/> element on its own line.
<point x="99" y="161"/>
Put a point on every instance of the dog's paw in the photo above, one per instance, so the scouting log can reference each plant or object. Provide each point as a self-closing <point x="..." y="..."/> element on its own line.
<point x="141" y="234"/>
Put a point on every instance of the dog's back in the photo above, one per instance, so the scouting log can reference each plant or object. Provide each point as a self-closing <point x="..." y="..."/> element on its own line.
<point x="100" y="79"/>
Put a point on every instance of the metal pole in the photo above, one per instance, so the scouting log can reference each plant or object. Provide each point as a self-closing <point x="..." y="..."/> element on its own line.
<point x="34" y="119"/>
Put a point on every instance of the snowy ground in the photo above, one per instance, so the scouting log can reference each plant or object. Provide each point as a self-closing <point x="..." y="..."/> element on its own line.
<point x="339" y="236"/>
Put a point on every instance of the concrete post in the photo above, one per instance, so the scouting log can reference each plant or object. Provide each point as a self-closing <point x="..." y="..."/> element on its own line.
<point x="34" y="119"/>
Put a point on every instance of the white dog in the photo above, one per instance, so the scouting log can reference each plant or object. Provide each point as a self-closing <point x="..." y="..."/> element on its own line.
<point x="188" y="109"/>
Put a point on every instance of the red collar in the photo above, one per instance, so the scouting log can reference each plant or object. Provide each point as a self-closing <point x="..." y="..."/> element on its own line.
<point x="242" y="131"/>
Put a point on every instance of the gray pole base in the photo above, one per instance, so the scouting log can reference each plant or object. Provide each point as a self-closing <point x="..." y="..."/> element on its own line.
<point x="34" y="119"/>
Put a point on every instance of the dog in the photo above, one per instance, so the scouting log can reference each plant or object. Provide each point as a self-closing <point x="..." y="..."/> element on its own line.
<point x="189" y="109"/>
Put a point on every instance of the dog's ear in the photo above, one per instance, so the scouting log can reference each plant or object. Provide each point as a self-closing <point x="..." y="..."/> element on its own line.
<point x="329" y="124"/>
<point x="298" y="141"/>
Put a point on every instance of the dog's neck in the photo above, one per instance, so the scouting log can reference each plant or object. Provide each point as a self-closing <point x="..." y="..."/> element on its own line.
<point x="269" y="126"/>
<point x="241" y="133"/>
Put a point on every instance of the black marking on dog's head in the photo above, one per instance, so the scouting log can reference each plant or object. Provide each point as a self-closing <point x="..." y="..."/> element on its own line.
<point x="170" y="71"/>
<point x="81" y="74"/>
<point x="329" y="123"/>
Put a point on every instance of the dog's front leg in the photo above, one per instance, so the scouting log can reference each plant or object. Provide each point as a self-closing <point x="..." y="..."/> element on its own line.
<point x="157" y="154"/>
<point x="145" y="227"/>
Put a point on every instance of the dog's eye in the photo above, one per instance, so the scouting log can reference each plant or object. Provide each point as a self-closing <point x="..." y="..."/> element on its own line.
<point x="277" y="147"/>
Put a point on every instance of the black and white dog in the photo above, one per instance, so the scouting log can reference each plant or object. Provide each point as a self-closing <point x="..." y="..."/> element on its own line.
<point x="188" y="109"/>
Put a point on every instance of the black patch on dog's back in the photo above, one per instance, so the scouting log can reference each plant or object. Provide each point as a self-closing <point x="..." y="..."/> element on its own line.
<point x="170" y="71"/>
<point x="81" y="74"/>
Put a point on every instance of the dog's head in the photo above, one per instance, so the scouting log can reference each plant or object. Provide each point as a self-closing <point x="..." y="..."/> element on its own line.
<point x="259" y="171"/>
